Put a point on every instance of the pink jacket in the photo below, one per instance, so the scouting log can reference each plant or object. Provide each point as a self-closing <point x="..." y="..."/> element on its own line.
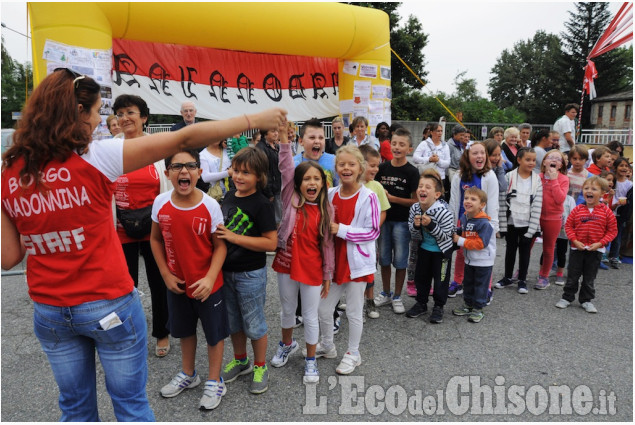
<point x="289" y="198"/>
<point x="554" y="192"/>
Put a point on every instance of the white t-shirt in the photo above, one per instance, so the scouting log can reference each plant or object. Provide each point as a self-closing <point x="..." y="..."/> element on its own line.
<point x="564" y="125"/>
<point x="520" y="205"/>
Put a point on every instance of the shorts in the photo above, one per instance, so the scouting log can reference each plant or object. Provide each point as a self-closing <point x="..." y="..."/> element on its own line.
<point x="184" y="312"/>
<point x="394" y="238"/>
<point x="245" y="294"/>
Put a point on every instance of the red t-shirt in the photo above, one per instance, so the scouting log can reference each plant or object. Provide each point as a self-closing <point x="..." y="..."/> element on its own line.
<point x="74" y="255"/>
<point x="385" y="150"/>
<point x="344" y="213"/>
<point x="133" y="191"/>
<point x="302" y="258"/>
<point x="187" y="235"/>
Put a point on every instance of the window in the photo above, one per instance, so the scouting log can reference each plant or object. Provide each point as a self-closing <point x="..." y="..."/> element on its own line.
<point x="628" y="110"/>
<point x="600" y="111"/>
<point x="613" y="111"/>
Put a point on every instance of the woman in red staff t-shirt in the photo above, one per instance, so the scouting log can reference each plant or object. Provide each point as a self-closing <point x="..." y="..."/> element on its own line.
<point x="57" y="189"/>
<point x="136" y="191"/>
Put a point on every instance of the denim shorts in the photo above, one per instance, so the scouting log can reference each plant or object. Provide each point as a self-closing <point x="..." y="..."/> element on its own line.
<point x="184" y="313"/>
<point x="394" y="241"/>
<point x="245" y="294"/>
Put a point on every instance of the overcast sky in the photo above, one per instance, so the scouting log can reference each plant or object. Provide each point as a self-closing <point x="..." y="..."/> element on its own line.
<point x="462" y="36"/>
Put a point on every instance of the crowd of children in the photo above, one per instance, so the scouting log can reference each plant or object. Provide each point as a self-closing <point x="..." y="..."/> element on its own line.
<point x="336" y="208"/>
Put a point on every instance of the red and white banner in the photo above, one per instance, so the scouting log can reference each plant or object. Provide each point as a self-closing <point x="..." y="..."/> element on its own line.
<point x="224" y="83"/>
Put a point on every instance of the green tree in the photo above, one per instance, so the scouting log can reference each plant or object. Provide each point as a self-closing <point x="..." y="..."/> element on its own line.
<point x="14" y="86"/>
<point x="528" y="78"/>
<point x="586" y="24"/>
<point x="408" y="41"/>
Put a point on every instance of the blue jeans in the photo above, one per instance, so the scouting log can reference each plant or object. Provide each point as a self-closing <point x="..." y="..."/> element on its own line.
<point x="394" y="237"/>
<point x="245" y="294"/>
<point x="475" y="285"/>
<point x="70" y="335"/>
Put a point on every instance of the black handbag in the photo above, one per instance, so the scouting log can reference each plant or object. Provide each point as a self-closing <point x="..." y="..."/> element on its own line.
<point x="136" y="223"/>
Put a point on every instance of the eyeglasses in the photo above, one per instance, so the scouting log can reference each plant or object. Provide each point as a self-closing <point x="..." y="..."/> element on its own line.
<point x="128" y="114"/>
<point x="77" y="76"/>
<point x="178" y="166"/>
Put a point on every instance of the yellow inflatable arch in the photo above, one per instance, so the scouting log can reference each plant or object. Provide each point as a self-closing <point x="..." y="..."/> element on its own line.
<point x="348" y="33"/>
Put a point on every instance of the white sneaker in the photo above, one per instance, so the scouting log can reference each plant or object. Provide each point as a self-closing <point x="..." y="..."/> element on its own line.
<point x="284" y="351"/>
<point x="331" y="353"/>
<point x="311" y="374"/>
<point x="179" y="383"/>
<point x="382" y="299"/>
<point x="562" y="303"/>
<point x="559" y="280"/>
<point x="397" y="306"/>
<point x="348" y="364"/>
<point x="589" y="308"/>
<point x="212" y="394"/>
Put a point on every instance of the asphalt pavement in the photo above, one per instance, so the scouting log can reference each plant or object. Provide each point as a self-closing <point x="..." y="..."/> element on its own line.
<point x="526" y="361"/>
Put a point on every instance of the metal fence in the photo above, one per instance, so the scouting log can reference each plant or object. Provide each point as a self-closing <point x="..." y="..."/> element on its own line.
<point x="604" y="136"/>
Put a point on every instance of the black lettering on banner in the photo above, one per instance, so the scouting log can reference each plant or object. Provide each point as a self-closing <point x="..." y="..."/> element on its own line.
<point x="243" y="82"/>
<point x="123" y="61"/>
<point x="161" y="75"/>
<point x="188" y="91"/>
<point x="318" y="85"/>
<point x="335" y="79"/>
<point x="272" y="87"/>
<point x="296" y="90"/>
<point x="216" y="79"/>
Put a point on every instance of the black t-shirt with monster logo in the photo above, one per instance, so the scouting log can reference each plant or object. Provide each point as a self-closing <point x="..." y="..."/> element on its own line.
<point x="251" y="215"/>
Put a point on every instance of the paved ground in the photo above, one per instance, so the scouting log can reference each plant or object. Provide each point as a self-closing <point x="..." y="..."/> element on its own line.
<point x="517" y="356"/>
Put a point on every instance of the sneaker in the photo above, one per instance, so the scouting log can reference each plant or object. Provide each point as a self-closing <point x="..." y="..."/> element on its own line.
<point x="397" y="306"/>
<point x="411" y="288"/>
<point x="336" y="325"/>
<point x="589" y="308"/>
<point x="298" y="321"/>
<point x="383" y="298"/>
<point x="462" y="311"/>
<point x="603" y="266"/>
<point x="559" y="280"/>
<point x="260" y="383"/>
<point x="538" y="239"/>
<point x="320" y="351"/>
<point x="605" y="258"/>
<point x="543" y="283"/>
<point x="562" y="303"/>
<point x="311" y="374"/>
<point x="455" y="289"/>
<point x="515" y="275"/>
<point x="348" y="364"/>
<point x="179" y="383"/>
<point x="503" y="283"/>
<point x="212" y="394"/>
<point x="522" y="287"/>
<point x="614" y="263"/>
<point x="476" y="315"/>
<point x="371" y="309"/>
<point x="490" y="297"/>
<point x="284" y="351"/>
<point x="437" y="314"/>
<point x="234" y="369"/>
<point x="417" y="310"/>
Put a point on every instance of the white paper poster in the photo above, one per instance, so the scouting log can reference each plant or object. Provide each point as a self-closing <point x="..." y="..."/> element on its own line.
<point x="350" y="67"/>
<point x="376" y="106"/>
<point x="368" y="70"/>
<point x="379" y="92"/>
<point x="385" y="73"/>
<point x="346" y="106"/>
<point x="361" y="88"/>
